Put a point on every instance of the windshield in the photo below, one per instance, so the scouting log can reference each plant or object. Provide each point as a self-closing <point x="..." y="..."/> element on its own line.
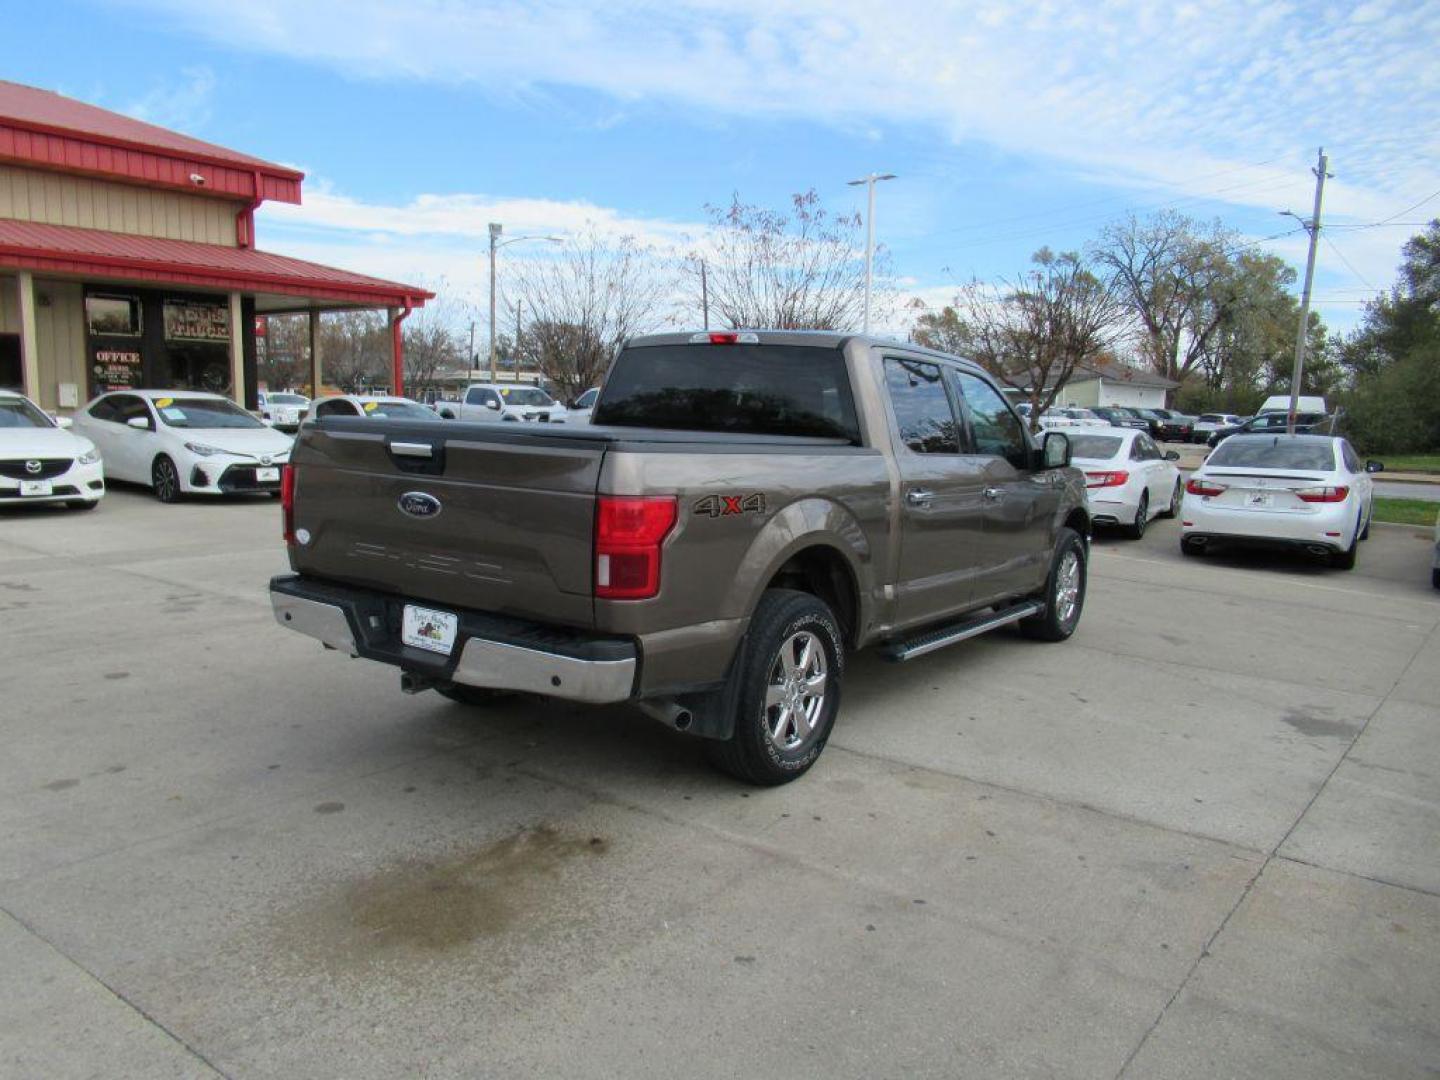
<point x="17" y="412"/>
<point x="526" y="396"/>
<point x="1277" y="453"/>
<point x="203" y="413"/>
<point x="285" y="399"/>
<point x="747" y="389"/>
<point x="1095" y="446"/>
<point x="398" y="410"/>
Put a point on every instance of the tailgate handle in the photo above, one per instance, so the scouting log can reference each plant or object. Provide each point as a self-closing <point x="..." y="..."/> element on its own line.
<point x="412" y="449"/>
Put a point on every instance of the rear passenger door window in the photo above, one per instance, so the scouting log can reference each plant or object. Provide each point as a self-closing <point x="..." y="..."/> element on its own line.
<point x="924" y="415"/>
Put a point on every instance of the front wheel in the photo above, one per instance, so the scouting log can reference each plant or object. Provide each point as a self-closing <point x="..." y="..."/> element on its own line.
<point x="165" y="479"/>
<point x="789" y="677"/>
<point x="1064" y="595"/>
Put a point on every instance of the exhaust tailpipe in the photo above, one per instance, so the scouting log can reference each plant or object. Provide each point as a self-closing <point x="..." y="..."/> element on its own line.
<point x="411" y="683"/>
<point x="1318" y="549"/>
<point x="669" y="713"/>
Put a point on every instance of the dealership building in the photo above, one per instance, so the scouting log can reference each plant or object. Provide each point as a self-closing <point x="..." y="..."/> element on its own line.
<point x="128" y="259"/>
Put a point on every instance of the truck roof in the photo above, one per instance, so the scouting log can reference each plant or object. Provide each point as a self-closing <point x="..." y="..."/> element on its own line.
<point x="819" y="339"/>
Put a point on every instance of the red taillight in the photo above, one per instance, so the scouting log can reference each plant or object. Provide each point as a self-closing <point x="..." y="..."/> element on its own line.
<point x="287" y="502"/>
<point x="628" y="535"/>
<point x="1323" y="494"/>
<point x="717" y="338"/>
<point x="1106" y="479"/>
<point x="1204" y="487"/>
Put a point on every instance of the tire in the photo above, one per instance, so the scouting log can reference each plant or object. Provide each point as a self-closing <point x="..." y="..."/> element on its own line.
<point x="1345" y="560"/>
<point x="1189" y="547"/>
<point x="1365" y="532"/>
<point x="1142" y="514"/>
<point x="165" y="479"/>
<point x="1435" y="578"/>
<point x="82" y="504"/>
<point x="781" y="724"/>
<point x="471" y="695"/>
<point x="1064" y="593"/>
<point x="1174" y="508"/>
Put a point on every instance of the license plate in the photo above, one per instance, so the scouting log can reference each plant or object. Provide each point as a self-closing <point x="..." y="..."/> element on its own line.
<point x="428" y="629"/>
<point x="36" y="487"/>
<point x="267" y="476"/>
<point x="1259" y="498"/>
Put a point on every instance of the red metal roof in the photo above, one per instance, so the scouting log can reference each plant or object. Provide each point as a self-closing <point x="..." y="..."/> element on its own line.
<point x="39" y="127"/>
<point x="60" y="249"/>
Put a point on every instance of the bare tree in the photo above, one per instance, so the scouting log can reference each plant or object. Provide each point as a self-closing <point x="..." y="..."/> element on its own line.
<point x="1031" y="332"/>
<point x="355" y="349"/>
<point x="802" y="270"/>
<point x="286" y="360"/>
<point x="1174" y="274"/>
<point x="433" y="341"/>
<point x="585" y="303"/>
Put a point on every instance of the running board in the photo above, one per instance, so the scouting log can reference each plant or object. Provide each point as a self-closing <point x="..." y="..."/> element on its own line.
<point x="909" y="649"/>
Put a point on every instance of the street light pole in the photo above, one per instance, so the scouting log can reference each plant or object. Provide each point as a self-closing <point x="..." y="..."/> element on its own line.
<point x="869" y="182"/>
<point x="496" y="244"/>
<point x="1313" y="228"/>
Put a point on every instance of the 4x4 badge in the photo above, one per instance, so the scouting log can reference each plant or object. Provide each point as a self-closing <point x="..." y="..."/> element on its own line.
<point x="729" y="505"/>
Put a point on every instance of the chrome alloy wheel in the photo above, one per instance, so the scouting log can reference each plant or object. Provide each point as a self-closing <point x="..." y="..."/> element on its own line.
<point x="1067" y="588"/>
<point x="795" y="691"/>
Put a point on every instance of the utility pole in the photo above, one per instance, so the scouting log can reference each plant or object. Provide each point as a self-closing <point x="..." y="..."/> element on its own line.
<point x="470" y="357"/>
<point x="495" y="228"/>
<point x="515" y="348"/>
<point x="704" y="295"/>
<point x="1313" y="228"/>
<point x="869" y="182"/>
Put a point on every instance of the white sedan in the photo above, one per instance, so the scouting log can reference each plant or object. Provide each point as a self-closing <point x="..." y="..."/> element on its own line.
<point x="374" y="406"/>
<point x="183" y="442"/>
<point x="1128" y="479"/>
<point x="41" y="462"/>
<point x="1304" y="492"/>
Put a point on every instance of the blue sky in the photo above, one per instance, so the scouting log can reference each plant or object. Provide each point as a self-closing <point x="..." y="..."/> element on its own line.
<point x="1009" y="125"/>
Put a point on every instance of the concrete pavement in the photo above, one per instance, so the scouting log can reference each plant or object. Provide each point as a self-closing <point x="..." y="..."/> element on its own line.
<point x="1200" y="839"/>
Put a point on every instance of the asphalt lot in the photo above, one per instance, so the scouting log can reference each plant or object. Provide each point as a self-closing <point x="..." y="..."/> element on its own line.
<point x="1201" y="839"/>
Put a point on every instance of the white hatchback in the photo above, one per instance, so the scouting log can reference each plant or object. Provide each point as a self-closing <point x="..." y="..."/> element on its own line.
<point x="1128" y="479"/>
<point x="41" y="462"/>
<point x="184" y="442"/>
<point x="1305" y="492"/>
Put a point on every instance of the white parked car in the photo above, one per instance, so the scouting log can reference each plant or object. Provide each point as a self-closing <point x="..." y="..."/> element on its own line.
<point x="1305" y="492"/>
<point x="506" y="401"/>
<point x="41" y="462"/>
<point x="183" y="442"/>
<point x="283" y="409"/>
<point x="584" y="406"/>
<point x="1128" y="479"/>
<point x="375" y="406"/>
<point x="1206" y="424"/>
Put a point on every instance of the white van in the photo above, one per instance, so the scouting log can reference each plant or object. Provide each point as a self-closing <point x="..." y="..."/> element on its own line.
<point x="1304" y="404"/>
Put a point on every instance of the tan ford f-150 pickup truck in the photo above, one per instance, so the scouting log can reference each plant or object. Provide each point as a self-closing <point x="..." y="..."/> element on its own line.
<point x="744" y="509"/>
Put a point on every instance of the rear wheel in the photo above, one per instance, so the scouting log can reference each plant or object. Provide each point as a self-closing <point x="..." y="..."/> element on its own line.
<point x="1175" y="497"/>
<point x="1142" y="514"/>
<point x="1064" y="595"/>
<point x="165" y="479"/>
<point x="1345" y="560"/>
<point x="788" y="690"/>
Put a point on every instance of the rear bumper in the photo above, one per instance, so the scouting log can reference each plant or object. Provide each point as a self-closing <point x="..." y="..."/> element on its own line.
<point x="491" y="651"/>
<point x="1331" y="526"/>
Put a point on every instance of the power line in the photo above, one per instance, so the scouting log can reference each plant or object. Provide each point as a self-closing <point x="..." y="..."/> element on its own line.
<point x="1346" y="261"/>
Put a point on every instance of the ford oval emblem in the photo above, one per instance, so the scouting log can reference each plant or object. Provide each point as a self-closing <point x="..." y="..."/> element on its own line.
<point x="419" y="504"/>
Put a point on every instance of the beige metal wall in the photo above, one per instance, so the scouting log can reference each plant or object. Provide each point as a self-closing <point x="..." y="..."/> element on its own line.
<point x="55" y="199"/>
<point x="9" y="305"/>
<point x="60" y="339"/>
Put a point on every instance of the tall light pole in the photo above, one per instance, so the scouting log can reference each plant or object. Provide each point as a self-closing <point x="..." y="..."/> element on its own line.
<point x="1313" y="228"/>
<point x="495" y="245"/>
<point x="869" y="182"/>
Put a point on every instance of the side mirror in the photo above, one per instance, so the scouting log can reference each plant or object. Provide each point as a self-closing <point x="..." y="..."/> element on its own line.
<point x="493" y="404"/>
<point x="1172" y="455"/>
<point x="447" y="414"/>
<point x="139" y="423"/>
<point x="1055" y="450"/>
<point x="63" y="421"/>
<point x="1374" y="466"/>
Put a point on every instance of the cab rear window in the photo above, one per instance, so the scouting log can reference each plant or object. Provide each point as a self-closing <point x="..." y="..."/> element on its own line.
<point x="744" y="389"/>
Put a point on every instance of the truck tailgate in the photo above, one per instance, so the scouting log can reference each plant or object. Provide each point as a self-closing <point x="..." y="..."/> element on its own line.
<point x="513" y="533"/>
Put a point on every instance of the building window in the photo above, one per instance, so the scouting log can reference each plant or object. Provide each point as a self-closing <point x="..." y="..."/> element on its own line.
<point x="113" y="315"/>
<point x="193" y="320"/>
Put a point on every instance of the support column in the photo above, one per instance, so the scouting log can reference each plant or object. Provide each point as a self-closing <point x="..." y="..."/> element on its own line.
<point x="29" y="342"/>
<point x="237" y="352"/>
<point x="397" y="354"/>
<point x="315" y="380"/>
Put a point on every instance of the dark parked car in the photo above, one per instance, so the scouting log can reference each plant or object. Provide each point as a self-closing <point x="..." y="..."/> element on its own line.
<point x="1121" y="417"/>
<point x="1174" y="426"/>
<point x="1274" y="423"/>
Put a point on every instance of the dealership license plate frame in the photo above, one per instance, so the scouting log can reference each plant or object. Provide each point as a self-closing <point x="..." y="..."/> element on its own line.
<point x="270" y="475"/>
<point x="429" y="629"/>
<point x="1260" y="500"/>
<point x="36" y="488"/>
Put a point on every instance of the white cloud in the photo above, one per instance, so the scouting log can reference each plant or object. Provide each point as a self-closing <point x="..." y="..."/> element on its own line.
<point x="184" y="105"/>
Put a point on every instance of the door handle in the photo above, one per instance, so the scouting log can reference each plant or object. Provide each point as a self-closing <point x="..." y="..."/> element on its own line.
<point x="993" y="493"/>
<point x="918" y="497"/>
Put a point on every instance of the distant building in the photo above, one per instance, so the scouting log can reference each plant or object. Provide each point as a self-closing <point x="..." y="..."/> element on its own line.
<point x="128" y="258"/>
<point x="1115" y="384"/>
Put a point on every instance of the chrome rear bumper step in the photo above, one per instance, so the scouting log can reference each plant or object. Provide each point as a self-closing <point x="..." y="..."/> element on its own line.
<point x="928" y="642"/>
